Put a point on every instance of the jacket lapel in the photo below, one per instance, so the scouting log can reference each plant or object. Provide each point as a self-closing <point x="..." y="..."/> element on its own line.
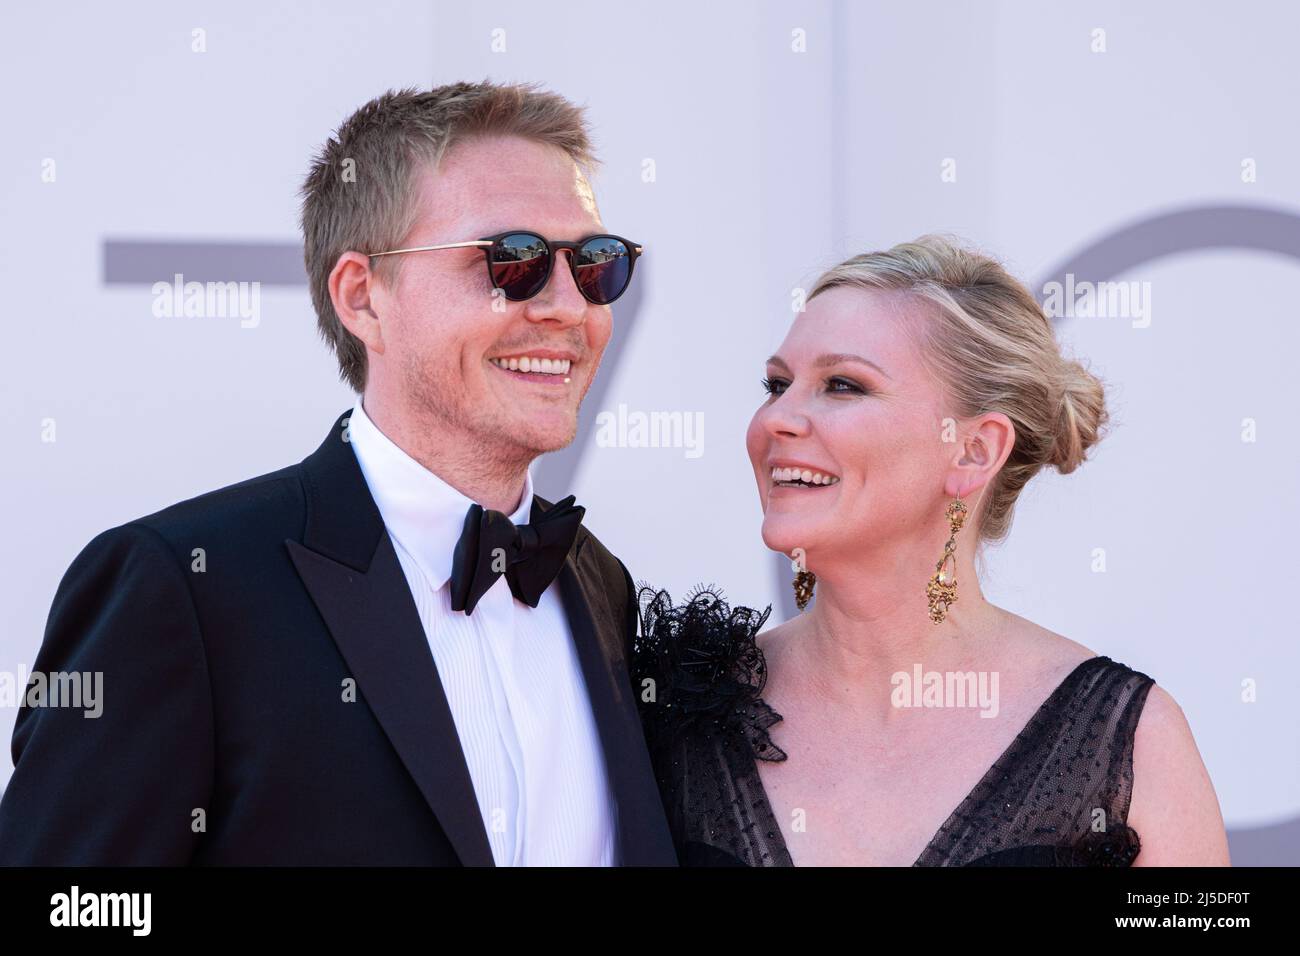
<point x="347" y="563"/>
<point x="597" y="633"/>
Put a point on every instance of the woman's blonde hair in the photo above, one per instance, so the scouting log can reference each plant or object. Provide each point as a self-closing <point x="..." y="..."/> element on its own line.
<point x="991" y="345"/>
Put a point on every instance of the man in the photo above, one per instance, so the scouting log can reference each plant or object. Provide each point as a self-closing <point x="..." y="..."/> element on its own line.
<point x="391" y="652"/>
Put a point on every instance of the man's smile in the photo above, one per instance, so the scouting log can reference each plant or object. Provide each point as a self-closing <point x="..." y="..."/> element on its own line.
<point x="543" y="366"/>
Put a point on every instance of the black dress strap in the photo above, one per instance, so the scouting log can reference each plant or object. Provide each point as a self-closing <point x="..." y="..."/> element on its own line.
<point x="698" y="673"/>
<point x="1060" y="793"/>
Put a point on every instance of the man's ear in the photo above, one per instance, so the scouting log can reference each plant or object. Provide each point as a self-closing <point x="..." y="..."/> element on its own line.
<point x="985" y="447"/>
<point x="351" y="285"/>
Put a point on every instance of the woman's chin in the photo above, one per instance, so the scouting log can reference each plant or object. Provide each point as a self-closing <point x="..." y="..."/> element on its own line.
<point x="783" y="533"/>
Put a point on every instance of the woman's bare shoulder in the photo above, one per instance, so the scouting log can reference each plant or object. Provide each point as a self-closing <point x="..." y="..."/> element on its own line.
<point x="1041" y="649"/>
<point x="770" y="640"/>
<point x="1174" y="807"/>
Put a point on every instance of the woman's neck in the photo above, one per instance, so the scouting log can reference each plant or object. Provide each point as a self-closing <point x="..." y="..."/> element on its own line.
<point x="871" y="621"/>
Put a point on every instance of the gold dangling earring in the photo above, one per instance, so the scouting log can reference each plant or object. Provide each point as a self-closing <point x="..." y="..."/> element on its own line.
<point x="804" y="582"/>
<point x="942" y="589"/>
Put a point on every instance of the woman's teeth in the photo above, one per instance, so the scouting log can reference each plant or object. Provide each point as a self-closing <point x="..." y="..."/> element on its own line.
<point x="794" y="477"/>
<point x="524" y="363"/>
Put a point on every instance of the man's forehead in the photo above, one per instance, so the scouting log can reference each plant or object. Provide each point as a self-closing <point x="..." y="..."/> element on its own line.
<point x="537" y="191"/>
<point x="548" y="212"/>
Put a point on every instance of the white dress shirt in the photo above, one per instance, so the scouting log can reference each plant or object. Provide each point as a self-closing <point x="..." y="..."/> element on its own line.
<point x="510" y="672"/>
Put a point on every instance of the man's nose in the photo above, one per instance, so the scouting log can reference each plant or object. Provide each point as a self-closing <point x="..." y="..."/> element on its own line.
<point x="559" y="301"/>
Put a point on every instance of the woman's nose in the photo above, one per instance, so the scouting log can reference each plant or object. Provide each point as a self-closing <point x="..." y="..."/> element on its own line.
<point x="786" y="417"/>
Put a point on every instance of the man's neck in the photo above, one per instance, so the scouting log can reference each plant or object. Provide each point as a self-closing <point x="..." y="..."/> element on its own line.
<point x="462" y="464"/>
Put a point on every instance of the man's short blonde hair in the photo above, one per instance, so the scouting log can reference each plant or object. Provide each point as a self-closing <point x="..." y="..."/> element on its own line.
<point x="360" y="192"/>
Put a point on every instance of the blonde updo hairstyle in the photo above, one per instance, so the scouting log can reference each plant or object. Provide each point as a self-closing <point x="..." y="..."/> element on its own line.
<point x="989" y="342"/>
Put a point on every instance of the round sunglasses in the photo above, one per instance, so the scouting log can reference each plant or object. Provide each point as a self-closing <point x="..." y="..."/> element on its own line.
<point x="519" y="263"/>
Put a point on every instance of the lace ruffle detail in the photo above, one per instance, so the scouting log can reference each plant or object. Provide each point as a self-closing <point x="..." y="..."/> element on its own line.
<point x="706" y="669"/>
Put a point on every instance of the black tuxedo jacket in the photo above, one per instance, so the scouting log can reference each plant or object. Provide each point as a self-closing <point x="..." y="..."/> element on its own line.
<point x="227" y="628"/>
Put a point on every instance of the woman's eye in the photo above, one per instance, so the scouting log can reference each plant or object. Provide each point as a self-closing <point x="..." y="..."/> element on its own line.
<point x="844" y="385"/>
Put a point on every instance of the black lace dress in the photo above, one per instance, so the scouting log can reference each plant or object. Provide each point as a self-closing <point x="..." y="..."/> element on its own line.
<point x="1058" y="796"/>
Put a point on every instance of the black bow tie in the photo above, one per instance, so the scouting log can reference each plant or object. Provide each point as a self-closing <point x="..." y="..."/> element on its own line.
<point x="530" y="555"/>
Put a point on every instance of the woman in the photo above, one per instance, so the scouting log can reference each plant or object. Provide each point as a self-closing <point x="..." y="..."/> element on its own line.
<point x="909" y="404"/>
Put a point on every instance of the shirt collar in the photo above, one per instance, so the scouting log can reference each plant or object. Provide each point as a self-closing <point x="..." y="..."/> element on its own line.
<point x="421" y="511"/>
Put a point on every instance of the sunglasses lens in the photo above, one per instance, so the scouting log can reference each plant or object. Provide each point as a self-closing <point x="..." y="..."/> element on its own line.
<point x="520" y="265"/>
<point x="603" y="267"/>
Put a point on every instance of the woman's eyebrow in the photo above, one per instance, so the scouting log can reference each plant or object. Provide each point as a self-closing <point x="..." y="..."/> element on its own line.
<point x="837" y="357"/>
<point x="834" y="358"/>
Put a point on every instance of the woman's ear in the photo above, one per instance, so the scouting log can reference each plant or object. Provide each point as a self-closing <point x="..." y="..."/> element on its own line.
<point x="985" y="447"/>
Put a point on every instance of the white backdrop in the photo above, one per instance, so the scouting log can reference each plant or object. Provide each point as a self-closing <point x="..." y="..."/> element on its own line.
<point x="801" y="133"/>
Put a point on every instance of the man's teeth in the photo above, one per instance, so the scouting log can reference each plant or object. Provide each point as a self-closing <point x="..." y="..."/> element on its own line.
<point x="524" y="363"/>
<point x="804" y="477"/>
